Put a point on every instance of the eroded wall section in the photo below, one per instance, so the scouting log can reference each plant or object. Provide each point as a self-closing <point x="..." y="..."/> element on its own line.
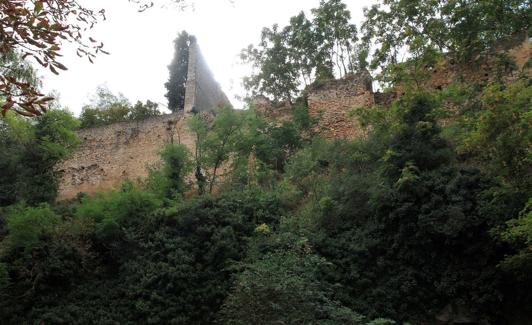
<point x="111" y="154"/>
<point x="203" y="94"/>
<point x="333" y="102"/>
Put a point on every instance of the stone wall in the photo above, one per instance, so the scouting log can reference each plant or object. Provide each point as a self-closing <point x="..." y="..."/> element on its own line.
<point x="332" y="104"/>
<point x="111" y="154"/>
<point x="486" y="69"/>
<point x="203" y="93"/>
<point x="280" y="112"/>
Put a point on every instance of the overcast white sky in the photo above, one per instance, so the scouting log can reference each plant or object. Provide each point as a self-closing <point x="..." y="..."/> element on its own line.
<point x="141" y="45"/>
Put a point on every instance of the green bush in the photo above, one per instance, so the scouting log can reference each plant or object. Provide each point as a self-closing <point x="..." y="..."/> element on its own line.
<point x="27" y="225"/>
<point x="126" y="207"/>
<point x="169" y="181"/>
<point x="284" y="288"/>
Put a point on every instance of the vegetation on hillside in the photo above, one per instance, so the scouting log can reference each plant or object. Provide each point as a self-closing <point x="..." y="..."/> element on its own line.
<point x="428" y="217"/>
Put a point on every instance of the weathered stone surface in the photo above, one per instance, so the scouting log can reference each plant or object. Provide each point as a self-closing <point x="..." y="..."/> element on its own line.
<point x="111" y="154"/>
<point x="203" y="93"/>
<point x="332" y="103"/>
<point x="280" y="112"/>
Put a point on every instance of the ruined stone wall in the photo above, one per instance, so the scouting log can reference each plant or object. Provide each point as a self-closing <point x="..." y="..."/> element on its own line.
<point x="332" y="103"/>
<point x="279" y="112"/>
<point x="485" y="69"/>
<point x="203" y="93"/>
<point x="111" y="154"/>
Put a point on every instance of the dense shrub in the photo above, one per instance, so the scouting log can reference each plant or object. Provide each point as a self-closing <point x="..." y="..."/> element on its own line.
<point x="145" y="265"/>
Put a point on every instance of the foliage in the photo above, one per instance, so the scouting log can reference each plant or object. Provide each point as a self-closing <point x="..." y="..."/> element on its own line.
<point x="301" y="117"/>
<point x="4" y="276"/>
<point x="464" y="29"/>
<point x="199" y="128"/>
<point x="519" y="234"/>
<point x="37" y="29"/>
<point x="411" y="222"/>
<point x="178" y="69"/>
<point x="500" y="132"/>
<point x="408" y="222"/>
<point x="26" y="225"/>
<point x="107" y="108"/>
<point x="275" y="74"/>
<point x="221" y="141"/>
<point x="29" y="152"/>
<point x="335" y="35"/>
<point x="284" y="287"/>
<point x="306" y="50"/>
<point x="417" y="142"/>
<point x="141" y="110"/>
<point x="113" y="210"/>
<point x="167" y="265"/>
<point x="170" y="181"/>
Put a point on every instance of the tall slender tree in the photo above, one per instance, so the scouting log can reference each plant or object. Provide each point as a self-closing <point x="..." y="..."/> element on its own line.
<point x="178" y="69"/>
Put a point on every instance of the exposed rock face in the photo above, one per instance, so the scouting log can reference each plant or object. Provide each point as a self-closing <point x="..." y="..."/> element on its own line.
<point x="111" y="154"/>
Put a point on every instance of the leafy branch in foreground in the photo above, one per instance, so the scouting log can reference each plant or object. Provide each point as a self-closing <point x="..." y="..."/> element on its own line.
<point x="36" y="29"/>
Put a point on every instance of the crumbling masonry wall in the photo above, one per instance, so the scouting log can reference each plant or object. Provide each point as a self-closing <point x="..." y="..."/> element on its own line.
<point x="112" y="154"/>
<point x="203" y="93"/>
<point x="332" y="104"/>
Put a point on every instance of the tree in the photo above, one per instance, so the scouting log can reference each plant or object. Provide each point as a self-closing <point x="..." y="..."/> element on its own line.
<point x="178" y="68"/>
<point x="221" y="141"/>
<point x="335" y="35"/>
<point x="301" y="42"/>
<point x="499" y="132"/>
<point x="199" y="129"/>
<point x="406" y="228"/>
<point x="320" y="48"/>
<point x="177" y="165"/>
<point x="519" y="233"/>
<point x="275" y="73"/>
<point x="283" y="287"/>
<point x="30" y="149"/>
<point x="27" y="225"/>
<point x="464" y="29"/>
<point x="107" y="108"/>
<point x="141" y="110"/>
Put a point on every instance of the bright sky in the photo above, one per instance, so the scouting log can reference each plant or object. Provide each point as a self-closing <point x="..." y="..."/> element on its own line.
<point x="141" y="45"/>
